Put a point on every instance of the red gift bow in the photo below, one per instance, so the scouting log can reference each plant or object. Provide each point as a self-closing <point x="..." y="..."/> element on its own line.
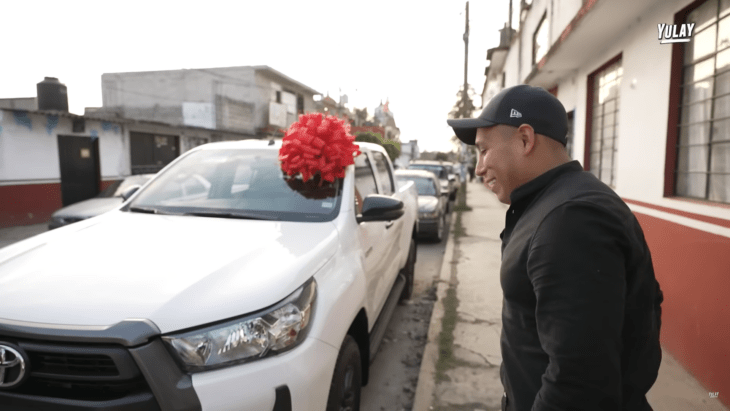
<point x="315" y="144"/>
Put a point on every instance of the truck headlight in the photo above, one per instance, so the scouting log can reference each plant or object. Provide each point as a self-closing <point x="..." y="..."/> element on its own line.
<point x="272" y="331"/>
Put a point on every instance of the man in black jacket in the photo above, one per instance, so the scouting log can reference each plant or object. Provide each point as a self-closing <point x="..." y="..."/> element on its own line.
<point x="582" y="308"/>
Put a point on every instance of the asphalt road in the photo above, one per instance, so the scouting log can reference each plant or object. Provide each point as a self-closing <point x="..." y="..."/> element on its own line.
<point x="394" y="373"/>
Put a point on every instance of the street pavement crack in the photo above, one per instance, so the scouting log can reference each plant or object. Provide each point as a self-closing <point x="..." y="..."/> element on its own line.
<point x="476" y="321"/>
<point x="489" y="363"/>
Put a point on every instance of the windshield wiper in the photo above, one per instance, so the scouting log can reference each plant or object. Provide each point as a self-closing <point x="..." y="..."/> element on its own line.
<point x="229" y="215"/>
<point x="148" y="210"/>
<point x="144" y="210"/>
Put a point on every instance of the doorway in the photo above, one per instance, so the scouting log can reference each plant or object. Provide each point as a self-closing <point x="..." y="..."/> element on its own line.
<point x="79" y="162"/>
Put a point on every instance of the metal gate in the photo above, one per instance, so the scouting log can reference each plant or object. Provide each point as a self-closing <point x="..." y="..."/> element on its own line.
<point x="151" y="152"/>
<point x="79" y="161"/>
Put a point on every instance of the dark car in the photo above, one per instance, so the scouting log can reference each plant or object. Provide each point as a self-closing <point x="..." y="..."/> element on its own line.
<point x="109" y="199"/>
<point x="441" y="169"/>
<point x="432" y="202"/>
<point x="454" y="173"/>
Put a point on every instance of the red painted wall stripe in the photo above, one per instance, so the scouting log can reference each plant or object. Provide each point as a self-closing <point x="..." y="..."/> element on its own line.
<point x="692" y="269"/>
<point x="699" y="217"/>
<point x="28" y="204"/>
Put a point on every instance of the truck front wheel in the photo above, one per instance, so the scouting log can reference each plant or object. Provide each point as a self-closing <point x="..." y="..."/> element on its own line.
<point x="347" y="379"/>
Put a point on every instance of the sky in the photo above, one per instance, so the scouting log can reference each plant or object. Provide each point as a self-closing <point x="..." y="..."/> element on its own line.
<point x="410" y="53"/>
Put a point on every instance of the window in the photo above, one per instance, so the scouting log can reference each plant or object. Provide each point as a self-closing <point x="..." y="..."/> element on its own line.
<point x="364" y="180"/>
<point x="300" y="104"/>
<point x="540" y="41"/>
<point x="386" y="180"/>
<point x="602" y="142"/>
<point x="703" y="145"/>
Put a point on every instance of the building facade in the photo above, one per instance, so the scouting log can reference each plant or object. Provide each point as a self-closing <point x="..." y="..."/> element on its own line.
<point x="409" y="151"/>
<point x="256" y="100"/>
<point x="50" y="159"/>
<point x="649" y="113"/>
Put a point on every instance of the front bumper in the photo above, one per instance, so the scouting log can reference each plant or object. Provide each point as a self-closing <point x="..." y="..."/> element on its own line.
<point x="67" y="376"/>
<point x="428" y="226"/>
<point x="306" y="371"/>
<point x="128" y="368"/>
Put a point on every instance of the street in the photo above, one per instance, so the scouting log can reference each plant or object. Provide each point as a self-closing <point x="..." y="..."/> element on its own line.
<point x="394" y="373"/>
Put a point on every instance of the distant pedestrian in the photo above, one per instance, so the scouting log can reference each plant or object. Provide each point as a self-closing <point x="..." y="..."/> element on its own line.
<point x="582" y="308"/>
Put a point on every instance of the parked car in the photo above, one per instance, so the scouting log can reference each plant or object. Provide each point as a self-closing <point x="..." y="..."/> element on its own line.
<point x="109" y="199"/>
<point x="231" y="288"/>
<point x="455" y="175"/>
<point x="432" y="203"/>
<point x="440" y="169"/>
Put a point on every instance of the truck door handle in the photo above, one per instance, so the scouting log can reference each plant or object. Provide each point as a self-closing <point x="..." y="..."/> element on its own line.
<point x="390" y="224"/>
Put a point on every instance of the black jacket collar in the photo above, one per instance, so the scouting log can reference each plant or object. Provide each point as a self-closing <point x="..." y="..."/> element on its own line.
<point x="527" y="191"/>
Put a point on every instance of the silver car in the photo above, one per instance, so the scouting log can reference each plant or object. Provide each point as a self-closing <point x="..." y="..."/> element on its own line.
<point x="432" y="202"/>
<point x="109" y="199"/>
<point x="441" y="170"/>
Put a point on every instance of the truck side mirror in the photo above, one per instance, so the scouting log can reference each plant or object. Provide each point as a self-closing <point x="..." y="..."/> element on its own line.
<point x="128" y="192"/>
<point x="377" y="207"/>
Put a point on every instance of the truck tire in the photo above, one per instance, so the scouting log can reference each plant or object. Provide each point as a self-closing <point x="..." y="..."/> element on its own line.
<point x="409" y="272"/>
<point x="347" y="378"/>
<point x="439" y="234"/>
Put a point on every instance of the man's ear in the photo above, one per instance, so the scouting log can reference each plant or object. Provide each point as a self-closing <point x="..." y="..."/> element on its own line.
<point x="527" y="138"/>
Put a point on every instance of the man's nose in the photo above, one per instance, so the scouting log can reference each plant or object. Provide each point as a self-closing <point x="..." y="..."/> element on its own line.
<point x="480" y="169"/>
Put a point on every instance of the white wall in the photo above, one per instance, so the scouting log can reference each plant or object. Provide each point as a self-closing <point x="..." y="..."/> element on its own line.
<point x="30" y="152"/>
<point x="561" y="13"/>
<point x="114" y="149"/>
<point x="572" y="92"/>
<point x="511" y="66"/>
<point x="643" y="109"/>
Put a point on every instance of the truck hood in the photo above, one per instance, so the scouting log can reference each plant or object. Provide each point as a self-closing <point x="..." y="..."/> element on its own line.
<point x="177" y="271"/>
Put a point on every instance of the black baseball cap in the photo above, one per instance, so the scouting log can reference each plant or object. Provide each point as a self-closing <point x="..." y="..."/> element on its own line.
<point x="515" y="106"/>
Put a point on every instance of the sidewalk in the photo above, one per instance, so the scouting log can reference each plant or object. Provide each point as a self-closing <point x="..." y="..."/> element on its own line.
<point x="469" y="309"/>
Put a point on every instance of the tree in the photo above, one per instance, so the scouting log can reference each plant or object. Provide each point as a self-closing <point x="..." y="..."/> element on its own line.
<point x="391" y="147"/>
<point x="361" y="115"/>
<point x="441" y="156"/>
<point x="464" y="107"/>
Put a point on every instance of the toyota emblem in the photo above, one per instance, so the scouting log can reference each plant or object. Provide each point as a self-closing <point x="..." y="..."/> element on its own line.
<point x="13" y="365"/>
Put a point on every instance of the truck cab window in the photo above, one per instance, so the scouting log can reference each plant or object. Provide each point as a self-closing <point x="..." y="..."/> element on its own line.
<point x="364" y="180"/>
<point x="386" y="179"/>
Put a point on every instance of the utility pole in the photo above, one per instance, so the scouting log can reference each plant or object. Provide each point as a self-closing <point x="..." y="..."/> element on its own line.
<point x="466" y="104"/>
<point x="466" y="50"/>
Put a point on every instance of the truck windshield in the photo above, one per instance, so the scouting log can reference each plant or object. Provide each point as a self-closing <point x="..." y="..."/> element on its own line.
<point x="237" y="183"/>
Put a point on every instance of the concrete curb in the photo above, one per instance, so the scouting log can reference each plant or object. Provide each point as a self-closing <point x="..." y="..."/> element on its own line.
<point x="427" y="376"/>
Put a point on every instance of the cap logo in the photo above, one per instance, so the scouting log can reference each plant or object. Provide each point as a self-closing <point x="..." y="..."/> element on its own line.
<point x="515" y="113"/>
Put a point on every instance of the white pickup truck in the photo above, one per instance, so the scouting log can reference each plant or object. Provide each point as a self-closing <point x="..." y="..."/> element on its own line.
<point x="218" y="285"/>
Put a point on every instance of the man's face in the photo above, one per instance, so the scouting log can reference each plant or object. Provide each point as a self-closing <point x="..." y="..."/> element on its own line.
<point x="498" y="160"/>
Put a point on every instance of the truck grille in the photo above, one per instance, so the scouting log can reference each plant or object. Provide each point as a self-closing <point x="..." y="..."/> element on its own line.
<point x="79" y="372"/>
<point x="73" y="364"/>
